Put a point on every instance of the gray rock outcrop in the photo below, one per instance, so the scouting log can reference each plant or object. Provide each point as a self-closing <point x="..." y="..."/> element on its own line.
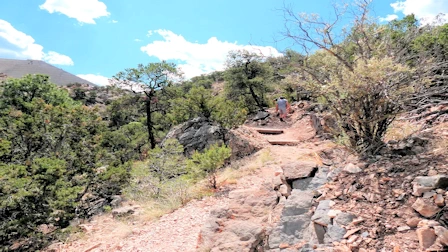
<point x="200" y="133"/>
<point x="297" y="221"/>
<point x="197" y="134"/>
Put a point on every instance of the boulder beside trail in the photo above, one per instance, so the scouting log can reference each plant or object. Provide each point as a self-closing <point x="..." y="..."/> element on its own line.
<point x="200" y="133"/>
<point x="197" y="134"/>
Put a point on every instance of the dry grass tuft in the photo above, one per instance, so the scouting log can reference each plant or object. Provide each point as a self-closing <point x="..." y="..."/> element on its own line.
<point x="399" y="130"/>
<point x="440" y="143"/>
<point x="312" y="156"/>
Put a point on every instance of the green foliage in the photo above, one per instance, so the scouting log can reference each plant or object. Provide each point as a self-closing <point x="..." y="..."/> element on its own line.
<point x="208" y="162"/>
<point x="162" y="177"/>
<point x="5" y="147"/>
<point x="433" y="40"/>
<point x="370" y="73"/>
<point x="20" y="93"/>
<point x="80" y="95"/>
<point x="365" y="100"/>
<point x="33" y="195"/>
<point x="49" y="153"/>
<point x="200" y="102"/>
<point x="127" y="143"/>
<point x="228" y="113"/>
<point x="197" y="102"/>
<point x="150" y="79"/>
<point x="126" y="109"/>
<point x="249" y="78"/>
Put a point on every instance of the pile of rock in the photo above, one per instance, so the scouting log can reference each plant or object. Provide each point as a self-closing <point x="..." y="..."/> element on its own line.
<point x="330" y="225"/>
<point x="431" y="199"/>
<point x="393" y="202"/>
<point x="432" y="236"/>
<point x="297" y="186"/>
<point x="431" y="196"/>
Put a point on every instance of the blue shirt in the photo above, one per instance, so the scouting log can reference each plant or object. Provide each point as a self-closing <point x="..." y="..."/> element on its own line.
<point x="282" y="103"/>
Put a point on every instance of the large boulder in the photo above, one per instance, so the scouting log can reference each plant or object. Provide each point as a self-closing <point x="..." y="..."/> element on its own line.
<point x="197" y="134"/>
<point x="200" y="133"/>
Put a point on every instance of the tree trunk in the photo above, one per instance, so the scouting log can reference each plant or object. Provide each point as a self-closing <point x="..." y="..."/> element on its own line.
<point x="151" y="138"/>
<point x="252" y="92"/>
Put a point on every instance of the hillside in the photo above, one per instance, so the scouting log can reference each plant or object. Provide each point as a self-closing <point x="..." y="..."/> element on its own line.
<point x="14" y="68"/>
<point x="309" y="196"/>
<point x="340" y="146"/>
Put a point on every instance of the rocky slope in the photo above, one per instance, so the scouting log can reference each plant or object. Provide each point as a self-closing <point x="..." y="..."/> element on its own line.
<point x="308" y="196"/>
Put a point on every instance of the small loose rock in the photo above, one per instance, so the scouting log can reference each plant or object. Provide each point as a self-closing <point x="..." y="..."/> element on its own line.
<point x="425" y="207"/>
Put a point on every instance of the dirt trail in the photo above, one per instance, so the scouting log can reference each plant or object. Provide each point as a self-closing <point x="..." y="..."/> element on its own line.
<point x="179" y="231"/>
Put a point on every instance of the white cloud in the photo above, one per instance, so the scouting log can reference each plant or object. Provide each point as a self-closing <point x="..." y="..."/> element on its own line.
<point x="388" y="18"/>
<point x="58" y="59"/>
<point x="424" y="10"/>
<point x="195" y="58"/>
<point x="94" y="78"/>
<point x="137" y="40"/>
<point x="114" y="21"/>
<point x="16" y="44"/>
<point x="85" y="11"/>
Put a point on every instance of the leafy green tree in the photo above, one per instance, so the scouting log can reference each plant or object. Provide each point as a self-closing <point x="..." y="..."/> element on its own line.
<point x="249" y="77"/>
<point x="126" y="109"/>
<point x="127" y="143"/>
<point x="79" y="94"/>
<point x="150" y="79"/>
<point x="34" y="195"/>
<point x="200" y="102"/>
<point x="49" y="154"/>
<point x="207" y="163"/>
<point x="228" y="113"/>
<point x="19" y="93"/>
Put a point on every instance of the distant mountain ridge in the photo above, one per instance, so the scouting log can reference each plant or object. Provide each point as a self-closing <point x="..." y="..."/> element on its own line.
<point x="18" y="68"/>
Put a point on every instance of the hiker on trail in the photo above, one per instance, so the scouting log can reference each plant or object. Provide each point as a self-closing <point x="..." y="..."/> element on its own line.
<point x="282" y="105"/>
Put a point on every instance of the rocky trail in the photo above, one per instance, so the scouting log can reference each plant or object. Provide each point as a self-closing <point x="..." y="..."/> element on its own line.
<point x="300" y="192"/>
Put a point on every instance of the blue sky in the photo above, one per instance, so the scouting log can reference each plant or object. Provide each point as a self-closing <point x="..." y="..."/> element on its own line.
<point x="95" y="39"/>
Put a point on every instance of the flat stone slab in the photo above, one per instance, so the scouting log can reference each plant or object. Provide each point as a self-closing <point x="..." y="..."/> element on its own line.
<point x="284" y="142"/>
<point x="261" y="115"/>
<point x="269" y="131"/>
<point x="334" y="233"/>
<point x="344" y="219"/>
<point x="291" y="230"/>
<point x="301" y="184"/>
<point x="299" y="169"/>
<point x="321" y="214"/>
<point x="298" y="203"/>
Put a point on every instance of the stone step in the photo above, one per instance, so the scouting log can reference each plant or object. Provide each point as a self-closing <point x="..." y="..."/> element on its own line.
<point x="269" y="131"/>
<point x="284" y="142"/>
